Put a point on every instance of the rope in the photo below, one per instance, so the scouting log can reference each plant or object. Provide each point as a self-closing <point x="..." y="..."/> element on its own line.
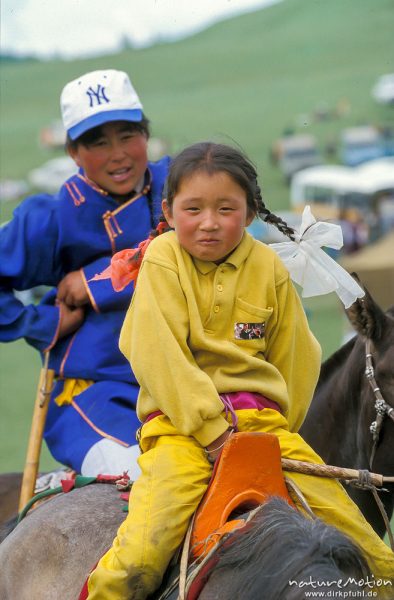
<point x="364" y="482"/>
<point x="184" y="561"/>
<point x="384" y="516"/>
<point x="27" y="507"/>
<point x="78" y="482"/>
<point x="361" y="478"/>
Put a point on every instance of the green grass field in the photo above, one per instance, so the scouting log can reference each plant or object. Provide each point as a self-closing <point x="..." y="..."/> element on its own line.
<point x="245" y="81"/>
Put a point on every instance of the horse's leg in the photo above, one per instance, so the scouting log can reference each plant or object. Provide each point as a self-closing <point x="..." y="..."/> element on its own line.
<point x="10" y="485"/>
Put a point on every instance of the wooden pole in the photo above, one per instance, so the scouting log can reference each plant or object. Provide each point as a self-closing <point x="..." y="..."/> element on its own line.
<point x="329" y="471"/>
<point x="44" y="390"/>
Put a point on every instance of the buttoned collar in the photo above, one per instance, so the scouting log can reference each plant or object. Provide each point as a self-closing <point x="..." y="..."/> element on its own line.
<point x="235" y="260"/>
<point x="144" y="182"/>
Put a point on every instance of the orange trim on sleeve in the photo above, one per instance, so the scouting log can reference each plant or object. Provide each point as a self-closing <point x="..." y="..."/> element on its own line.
<point x="97" y="429"/>
<point x="56" y="336"/>
<point x="65" y="357"/>
<point x="89" y="293"/>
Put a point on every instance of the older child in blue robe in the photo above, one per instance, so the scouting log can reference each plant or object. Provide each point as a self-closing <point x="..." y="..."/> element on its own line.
<point x="62" y="241"/>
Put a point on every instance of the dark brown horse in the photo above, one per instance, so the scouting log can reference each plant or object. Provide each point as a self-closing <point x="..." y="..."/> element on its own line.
<point x="356" y="383"/>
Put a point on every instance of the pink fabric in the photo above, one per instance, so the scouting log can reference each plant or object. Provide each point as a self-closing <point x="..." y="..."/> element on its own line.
<point x="236" y="401"/>
<point x="240" y="400"/>
<point x="153" y="415"/>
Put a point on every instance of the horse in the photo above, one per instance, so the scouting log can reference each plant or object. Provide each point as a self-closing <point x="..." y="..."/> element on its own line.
<point x="75" y="530"/>
<point x="282" y="552"/>
<point x="338" y="423"/>
<point x="350" y="422"/>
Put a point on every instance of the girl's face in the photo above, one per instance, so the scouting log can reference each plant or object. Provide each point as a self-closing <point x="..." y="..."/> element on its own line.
<point x="209" y="214"/>
<point x="116" y="161"/>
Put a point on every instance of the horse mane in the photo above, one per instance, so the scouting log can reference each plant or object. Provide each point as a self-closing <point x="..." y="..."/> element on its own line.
<point x="284" y="549"/>
<point x="337" y="359"/>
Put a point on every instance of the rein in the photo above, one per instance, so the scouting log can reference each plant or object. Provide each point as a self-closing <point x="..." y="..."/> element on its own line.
<point x="382" y="410"/>
<point x="381" y="406"/>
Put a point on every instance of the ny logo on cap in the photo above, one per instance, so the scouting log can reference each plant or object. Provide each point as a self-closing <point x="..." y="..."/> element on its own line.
<point x="97" y="96"/>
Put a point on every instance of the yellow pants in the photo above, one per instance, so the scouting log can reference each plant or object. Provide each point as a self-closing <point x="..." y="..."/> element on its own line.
<point x="175" y="475"/>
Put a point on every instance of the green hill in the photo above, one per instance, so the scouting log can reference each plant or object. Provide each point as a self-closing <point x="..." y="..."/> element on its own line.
<point x="244" y="80"/>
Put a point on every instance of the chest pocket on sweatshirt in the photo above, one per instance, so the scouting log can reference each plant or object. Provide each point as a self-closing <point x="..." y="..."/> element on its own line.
<point x="249" y="326"/>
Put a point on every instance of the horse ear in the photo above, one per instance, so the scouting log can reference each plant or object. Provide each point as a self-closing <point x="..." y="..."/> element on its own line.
<point x="365" y="316"/>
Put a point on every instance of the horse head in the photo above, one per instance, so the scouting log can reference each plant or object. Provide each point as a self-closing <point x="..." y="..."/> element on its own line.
<point x="375" y="330"/>
<point x="355" y="380"/>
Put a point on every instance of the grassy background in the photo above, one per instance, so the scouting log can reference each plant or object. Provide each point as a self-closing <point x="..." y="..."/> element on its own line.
<point x="246" y="79"/>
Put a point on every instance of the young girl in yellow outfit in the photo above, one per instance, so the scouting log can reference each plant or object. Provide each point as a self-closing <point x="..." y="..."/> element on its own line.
<point x="215" y="319"/>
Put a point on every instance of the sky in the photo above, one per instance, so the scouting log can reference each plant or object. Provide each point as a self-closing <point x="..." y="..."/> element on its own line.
<point x="82" y="28"/>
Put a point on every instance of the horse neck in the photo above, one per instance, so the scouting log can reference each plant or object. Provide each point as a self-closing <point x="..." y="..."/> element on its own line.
<point x="341" y="381"/>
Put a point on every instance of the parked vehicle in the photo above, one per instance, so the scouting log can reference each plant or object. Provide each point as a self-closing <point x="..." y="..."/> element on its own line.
<point x="360" y="144"/>
<point x="387" y="132"/>
<point x="333" y="189"/>
<point x="295" y="152"/>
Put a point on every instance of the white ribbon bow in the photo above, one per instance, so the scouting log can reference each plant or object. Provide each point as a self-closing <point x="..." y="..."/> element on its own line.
<point x="310" y="267"/>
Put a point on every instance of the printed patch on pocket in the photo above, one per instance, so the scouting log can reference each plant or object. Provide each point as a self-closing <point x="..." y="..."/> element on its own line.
<point x="249" y="331"/>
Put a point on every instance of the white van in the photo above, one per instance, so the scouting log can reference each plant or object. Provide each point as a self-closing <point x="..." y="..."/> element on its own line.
<point x="331" y="189"/>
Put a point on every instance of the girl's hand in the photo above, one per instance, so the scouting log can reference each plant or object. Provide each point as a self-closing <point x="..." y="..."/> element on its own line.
<point x="214" y="449"/>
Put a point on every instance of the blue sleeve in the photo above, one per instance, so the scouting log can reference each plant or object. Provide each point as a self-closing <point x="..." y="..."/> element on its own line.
<point x="28" y="246"/>
<point x="101" y="293"/>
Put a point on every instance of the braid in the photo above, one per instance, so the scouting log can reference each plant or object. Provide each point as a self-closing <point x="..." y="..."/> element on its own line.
<point x="161" y="227"/>
<point x="210" y="158"/>
<point x="269" y="217"/>
<point x="214" y="158"/>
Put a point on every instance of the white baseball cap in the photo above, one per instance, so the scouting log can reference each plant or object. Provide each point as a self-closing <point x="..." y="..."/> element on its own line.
<point x="97" y="98"/>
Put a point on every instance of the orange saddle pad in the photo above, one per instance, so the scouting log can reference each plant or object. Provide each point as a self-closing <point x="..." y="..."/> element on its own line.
<point x="248" y="472"/>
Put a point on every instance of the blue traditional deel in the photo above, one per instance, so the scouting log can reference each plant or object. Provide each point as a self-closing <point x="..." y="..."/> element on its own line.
<point x="50" y="236"/>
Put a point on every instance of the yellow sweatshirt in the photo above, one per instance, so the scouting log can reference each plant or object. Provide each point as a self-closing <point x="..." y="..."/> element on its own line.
<point x="181" y="336"/>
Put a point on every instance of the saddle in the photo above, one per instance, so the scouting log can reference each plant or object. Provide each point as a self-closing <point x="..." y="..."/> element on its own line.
<point x="247" y="473"/>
